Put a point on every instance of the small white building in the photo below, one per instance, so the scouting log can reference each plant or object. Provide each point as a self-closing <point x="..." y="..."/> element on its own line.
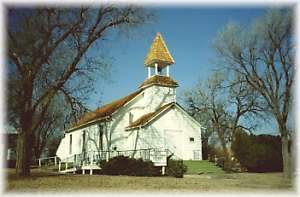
<point x="148" y="123"/>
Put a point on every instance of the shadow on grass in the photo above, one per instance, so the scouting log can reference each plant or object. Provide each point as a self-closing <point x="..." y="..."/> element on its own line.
<point x="35" y="173"/>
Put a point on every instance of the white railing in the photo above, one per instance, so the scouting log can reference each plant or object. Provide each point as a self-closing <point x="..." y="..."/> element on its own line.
<point x="157" y="156"/>
<point x="48" y="160"/>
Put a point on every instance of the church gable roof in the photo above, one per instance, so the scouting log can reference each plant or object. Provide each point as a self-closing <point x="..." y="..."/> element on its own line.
<point x="143" y="120"/>
<point x="159" y="80"/>
<point x="146" y="118"/>
<point x="158" y="52"/>
<point x="105" y="111"/>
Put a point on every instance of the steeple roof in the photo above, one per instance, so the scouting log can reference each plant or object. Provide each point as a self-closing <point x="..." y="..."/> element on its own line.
<point x="159" y="80"/>
<point x="158" y="53"/>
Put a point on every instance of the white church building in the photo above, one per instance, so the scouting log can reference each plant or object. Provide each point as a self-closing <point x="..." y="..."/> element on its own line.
<point x="147" y="124"/>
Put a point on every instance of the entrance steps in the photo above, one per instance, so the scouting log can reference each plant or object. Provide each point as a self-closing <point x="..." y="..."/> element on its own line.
<point x="91" y="166"/>
<point x="83" y="169"/>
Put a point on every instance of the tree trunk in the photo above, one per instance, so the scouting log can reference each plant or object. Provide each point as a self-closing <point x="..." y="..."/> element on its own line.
<point x="37" y="152"/>
<point x="224" y="147"/>
<point x="225" y="151"/>
<point x="205" y="148"/>
<point x="25" y="138"/>
<point x="23" y="154"/>
<point x="286" y="156"/>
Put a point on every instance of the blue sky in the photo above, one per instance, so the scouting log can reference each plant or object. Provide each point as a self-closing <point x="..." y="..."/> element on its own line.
<point x="188" y="33"/>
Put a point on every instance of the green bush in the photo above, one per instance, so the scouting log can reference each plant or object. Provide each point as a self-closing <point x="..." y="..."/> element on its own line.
<point x="122" y="165"/>
<point x="176" y="168"/>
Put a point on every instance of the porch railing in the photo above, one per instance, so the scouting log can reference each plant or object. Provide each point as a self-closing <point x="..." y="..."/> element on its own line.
<point x="48" y="161"/>
<point x="94" y="157"/>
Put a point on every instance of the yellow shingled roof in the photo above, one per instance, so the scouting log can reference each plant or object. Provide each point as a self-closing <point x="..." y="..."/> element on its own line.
<point x="158" y="53"/>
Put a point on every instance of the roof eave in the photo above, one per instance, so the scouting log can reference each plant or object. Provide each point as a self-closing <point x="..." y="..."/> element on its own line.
<point x="162" y="63"/>
<point x="140" y="93"/>
<point x="191" y="118"/>
<point x="102" y="119"/>
<point x="150" y="120"/>
<point x="159" y="84"/>
<point x="132" y="128"/>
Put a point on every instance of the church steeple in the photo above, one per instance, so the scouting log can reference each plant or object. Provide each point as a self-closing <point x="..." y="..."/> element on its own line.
<point x="158" y="56"/>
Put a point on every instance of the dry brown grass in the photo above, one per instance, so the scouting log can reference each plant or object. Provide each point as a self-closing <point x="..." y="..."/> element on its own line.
<point x="42" y="181"/>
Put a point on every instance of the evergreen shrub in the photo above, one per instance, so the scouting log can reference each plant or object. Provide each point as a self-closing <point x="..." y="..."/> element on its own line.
<point x="176" y="168"/>
<point x="122" y="165"/>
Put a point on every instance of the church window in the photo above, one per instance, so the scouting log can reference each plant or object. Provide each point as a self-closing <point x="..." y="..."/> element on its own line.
<point x="83" y="140"/>
<point x="192" y="139"/>
<point x="70" y="145"/>
<point x="101" y="133"/>
<point x="130" y="117"/>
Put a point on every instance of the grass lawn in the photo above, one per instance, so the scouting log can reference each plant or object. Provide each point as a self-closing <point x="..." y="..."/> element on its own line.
<point x="196" y="167"/>
<point x="213" y="181"/>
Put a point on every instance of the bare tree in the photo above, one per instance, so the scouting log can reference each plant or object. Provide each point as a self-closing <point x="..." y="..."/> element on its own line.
<point x="51" y="127"/>
<point x="48" y="55"/>
<point x="263" y="55"/>
<point x="223" y="105"/>
<point x="207" y="101"/>
<point x="243" y="106"/>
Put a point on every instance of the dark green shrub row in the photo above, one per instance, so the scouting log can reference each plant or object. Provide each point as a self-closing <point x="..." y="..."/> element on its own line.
<point x="122" y="165"/>
<point x="258" y="153"/>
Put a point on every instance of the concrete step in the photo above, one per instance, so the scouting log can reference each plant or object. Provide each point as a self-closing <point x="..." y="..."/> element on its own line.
<point x="68" y="170"/>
